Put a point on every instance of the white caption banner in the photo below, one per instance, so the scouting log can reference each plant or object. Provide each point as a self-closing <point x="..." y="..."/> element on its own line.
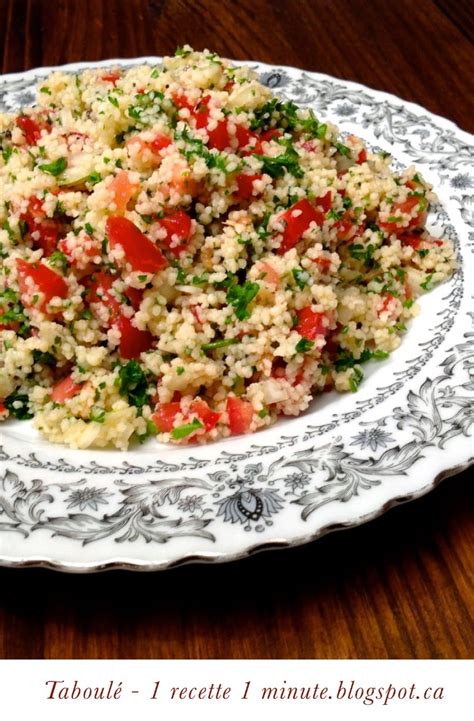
<point x="217" y="690"/>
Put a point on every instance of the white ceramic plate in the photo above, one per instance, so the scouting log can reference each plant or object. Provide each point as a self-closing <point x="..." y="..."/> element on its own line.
<point x="347" y="460"/>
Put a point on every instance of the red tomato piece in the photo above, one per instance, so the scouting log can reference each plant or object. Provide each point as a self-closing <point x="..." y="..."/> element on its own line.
<point x="140" y="252"/>
<point x="207" y="416"/>
<point x="123" y="190"/>
<point x="265" y="137"/>
<point x="177" y="224"/>
<point x="219" y="137"/>
<point x="165" y="415"/>
<point x="111" y="78"/>
<point x="44" y="280"/>
<point x="310" y="324"/>
<point x="412" y="240"/>
<point x="201" y="112"/>
<point x="31" y="128"/>
<point x="132" y="340"/>
<point x="44" y="231"/>
<point x="65" y="389"/>
<point x="159" y="142"/>
<point x="245" y="185"/>
<point x="240" y="415"/>
<point x="135" y="296"/>
<point x="324" y="202"/>
<point x="180" y="99"/>
<point x="298" y="218"/>
<point x="345" y="228"/>
<point x="101" y="292"/>
<point x="406" y="207"/>
<point x="362" y="157"/>
<point x="387" y="299"/>
<point x="324" y="263"/>
<point x="271" y="275"/>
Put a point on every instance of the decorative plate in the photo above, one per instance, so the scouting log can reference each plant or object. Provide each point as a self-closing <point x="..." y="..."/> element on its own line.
<point x="345" y="461"/>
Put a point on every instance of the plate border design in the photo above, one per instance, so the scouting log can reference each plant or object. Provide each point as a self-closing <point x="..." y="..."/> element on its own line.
<point x="244" y="495"/>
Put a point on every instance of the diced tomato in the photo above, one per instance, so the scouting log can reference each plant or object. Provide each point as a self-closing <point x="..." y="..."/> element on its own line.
<point x="31" y="128"/>
<point x="362" y="157"/>
<point x="219" y="137"/>
<point x="310" y="324"/>
<point x="165" y="415"/>
<point x="208" y="417"/>
<point x="181" y="100"/>
<point x="44" y="231"/>
<point x="387" y="299"/>
<point x="228" y="86"/>
<point x="271" y="134"/>
<point x="195" y="310"/>
<point x="132" y="340"/>
<point x="45" y="281"/>
<point x="240" y="415"/>
<point x="3" y="409"/>
<point x="323" y="263"/>
<point x="345" y="227"/>
<point x="123" y="190"/>
<point x="111" y="78"/>
<point x="139" y="250"/>
<point x="265" y="137"/>
<point x="201" y="112"/>
<point x="245" y="185"/>
<point x="135" y="296"/>
<point x="324" y="202"/>
<point x="177" y="224"/>
<point x="406" y="207"/>
<point x="65" y="389"/>
<point x="100" y="291"/>
<point x="271" y="275"/>
<point x="412" y="240"/>
<point x="159" y="142"/>
<point x="298" y="218"/>
<point x="79" y="255"/>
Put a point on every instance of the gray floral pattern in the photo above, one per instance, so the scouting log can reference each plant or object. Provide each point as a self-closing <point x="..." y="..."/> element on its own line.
<point x="200" y="504"/>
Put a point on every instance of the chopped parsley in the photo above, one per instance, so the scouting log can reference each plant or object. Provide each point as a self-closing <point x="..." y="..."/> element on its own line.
<point x="301" y="277"/>
<point x="342" y="149"/>
<point x="57" y="167"/>
<point x="240" y="297"/>
<point x="185" y="430"/>
<point x="355" y="379"/>
<point x="45" y="358"/>
<point x="304" y="345"/>
<point x="362" y="252"/>
<point x="426" y="285"/>
<point x="133" y="384"/>
<point x="18" y="406"/>
<point x="97" y="415"/>
<point x="224" y="343"/>
<point x="277" y="166"/>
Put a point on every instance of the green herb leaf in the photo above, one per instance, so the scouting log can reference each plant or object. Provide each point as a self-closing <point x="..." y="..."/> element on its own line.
<point x="133" y="384"/>
<point x="18" y="406"/>
<point x="55" y="168"/>
<point x="304" y="345"/>
<point x="224" y="343"/>
<point x="240" y="296"/>
<point x="302" y="277"/>
<point x="185" y="430"/>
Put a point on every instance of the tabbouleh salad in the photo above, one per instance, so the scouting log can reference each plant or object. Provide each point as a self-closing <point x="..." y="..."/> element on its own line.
<point x="184" y="255"/>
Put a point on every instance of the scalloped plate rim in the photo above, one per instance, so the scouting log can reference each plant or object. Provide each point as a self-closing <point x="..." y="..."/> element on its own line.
<point x="46" y="561"/>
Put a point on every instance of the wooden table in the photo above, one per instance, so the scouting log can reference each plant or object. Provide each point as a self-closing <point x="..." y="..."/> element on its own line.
<point x="399" y="587"/>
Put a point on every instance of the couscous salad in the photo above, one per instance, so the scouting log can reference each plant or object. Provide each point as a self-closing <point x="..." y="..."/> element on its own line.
<point x="183" y="255"/>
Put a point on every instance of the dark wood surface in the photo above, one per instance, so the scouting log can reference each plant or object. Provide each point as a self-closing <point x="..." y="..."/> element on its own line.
<point x="399" y="587"/>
